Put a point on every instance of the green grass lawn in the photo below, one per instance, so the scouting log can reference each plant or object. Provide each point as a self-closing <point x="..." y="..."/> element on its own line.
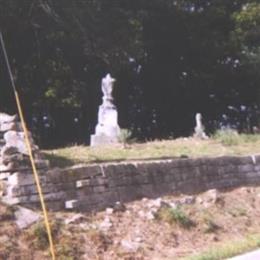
<point x="227" y="143"/>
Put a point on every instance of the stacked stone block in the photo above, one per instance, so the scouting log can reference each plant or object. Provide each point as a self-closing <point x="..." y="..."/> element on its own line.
<point x="94" y="187"/>
<point x="15" y="166"/>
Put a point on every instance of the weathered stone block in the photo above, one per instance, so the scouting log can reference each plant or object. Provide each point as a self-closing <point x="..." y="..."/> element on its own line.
<point x="100" y="189"/>
<point x="86" y="191"/>
<point x="98" y="181"/>
<point x="71" y="204"/>
<point x="82" y="183"/>
<point x="246" y="168"/>
<point x="22" y="179"/>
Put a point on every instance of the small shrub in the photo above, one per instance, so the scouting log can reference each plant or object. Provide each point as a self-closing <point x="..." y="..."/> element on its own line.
<point x="211" y="226"/>
<point x="99" y="239"/>
<point x="175" y="216"/>
<point x="38" y="234"/>
<point x="125" y="137"/>
<point x="227" y="137"/>
<point x="69" y="247"/>
<point x="238" y="212"/>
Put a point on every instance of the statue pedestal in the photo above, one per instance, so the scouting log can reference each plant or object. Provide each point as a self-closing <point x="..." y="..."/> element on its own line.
<point x="107" y="130"/>
<point x="97" y="140"/>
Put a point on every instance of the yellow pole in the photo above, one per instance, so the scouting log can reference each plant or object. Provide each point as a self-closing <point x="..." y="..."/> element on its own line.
<point x="35" y="174"/>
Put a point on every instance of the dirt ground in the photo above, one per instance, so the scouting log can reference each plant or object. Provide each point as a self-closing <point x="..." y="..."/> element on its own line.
<point x="169" y="227"/>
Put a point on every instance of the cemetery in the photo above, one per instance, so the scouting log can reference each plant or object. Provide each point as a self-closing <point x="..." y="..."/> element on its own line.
<point x="148" y="190"/>
<point x="129" y="130"/>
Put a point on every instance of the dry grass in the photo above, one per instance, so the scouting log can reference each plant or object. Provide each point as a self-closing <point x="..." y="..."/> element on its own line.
<point x="217" y="146"/>
<point x="220" y="231"/>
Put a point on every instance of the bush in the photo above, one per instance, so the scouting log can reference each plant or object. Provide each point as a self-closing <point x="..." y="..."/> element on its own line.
<point x="174" y="216"/>
<point x="125" y="137"/>
<point x="39" y="237"/>
<point x="227" y="137"/>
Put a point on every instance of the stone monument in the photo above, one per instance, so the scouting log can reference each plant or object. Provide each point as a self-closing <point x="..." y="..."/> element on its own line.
<point x="15" y="165"/>
<point x="199" y="129"/>
<point x="107" y="130"/>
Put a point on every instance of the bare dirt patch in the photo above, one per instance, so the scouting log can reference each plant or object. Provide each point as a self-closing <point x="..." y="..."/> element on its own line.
<point x="170" y="227"/>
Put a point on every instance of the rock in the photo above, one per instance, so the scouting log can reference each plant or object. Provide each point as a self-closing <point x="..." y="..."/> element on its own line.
<point x="129" y="246"/>
<point x="71" y="204"/>
<point x="17" y="140"/>
<point x="199" y="200"/>
<point x="247" y="190"/>
<point x="8" y="126"/>
<point x="141" y="214"/>
<point x="157" y="203"/>
<point x="4" y="239"/>
<point x="150" y="216"/>
<point x="188" y="200"/>
<point x="8" y="150"/>
<point x="138" y="239"/>
<point x="212" y="196"/>
<point x="16" y="158"/>
<point x="109" y="211"/>
<point x="87" y="226"/>
<point x="106" y="224"/>
<point x="25" y="217"/>
<point x="145" y="200"/>
<point x="174" y="205"/>
<point x="5" y="118"/>
<point x="76" y="219"/>
<point x="119" y="207"/>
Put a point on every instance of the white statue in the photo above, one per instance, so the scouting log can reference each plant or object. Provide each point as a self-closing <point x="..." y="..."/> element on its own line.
<point x="199" y="129"/>
<point x="107" y="86"/>
<point x="107" y="129"/>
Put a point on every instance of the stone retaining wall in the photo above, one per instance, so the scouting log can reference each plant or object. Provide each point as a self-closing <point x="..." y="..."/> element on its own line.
<point x="93" y="187"/>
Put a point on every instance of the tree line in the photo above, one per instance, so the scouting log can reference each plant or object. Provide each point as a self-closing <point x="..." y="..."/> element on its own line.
<point x="171" y="59"/>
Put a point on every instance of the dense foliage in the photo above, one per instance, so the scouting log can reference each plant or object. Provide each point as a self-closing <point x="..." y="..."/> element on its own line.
<point x="171" y="59"/>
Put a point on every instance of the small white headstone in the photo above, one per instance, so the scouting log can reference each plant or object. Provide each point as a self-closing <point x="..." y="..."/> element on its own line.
<point x="199" y="129"/>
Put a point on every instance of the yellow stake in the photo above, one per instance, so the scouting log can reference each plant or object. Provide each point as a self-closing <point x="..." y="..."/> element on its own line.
<point x="35" y="174"/>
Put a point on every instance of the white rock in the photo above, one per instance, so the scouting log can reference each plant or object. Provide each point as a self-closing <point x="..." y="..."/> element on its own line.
<point x="150" y="216"/>
<point x="74" y="219"/>
<point x="138" y="239"/>
<point x="71" y="204"/>
<point x="106" y="224"/>
<point x="157" y="202"/>
<point x="109" y="211"/>
<point x="173" y="205"/>
<point x="17" y="139"/>
<point x="5" y="118"/>
<point x="129" y="246"/>
<point x="141" y="214"/>
<point x="212" y="195"/>
<point x="25" y="217"/>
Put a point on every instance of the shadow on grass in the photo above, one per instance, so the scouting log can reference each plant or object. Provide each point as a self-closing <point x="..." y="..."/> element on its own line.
<point x="59" y="161"/>
<point x="62" y="161"/>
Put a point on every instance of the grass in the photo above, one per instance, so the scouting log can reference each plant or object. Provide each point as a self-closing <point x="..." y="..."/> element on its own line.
<point x="222" y="143"/>
<point x="38" y="234"/>
<point x="229" y="249"/>
<point x="175" y="216"/>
